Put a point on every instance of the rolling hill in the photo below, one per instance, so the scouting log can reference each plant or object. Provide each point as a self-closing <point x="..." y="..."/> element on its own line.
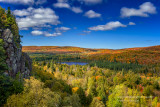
<point x="141" y="55"/>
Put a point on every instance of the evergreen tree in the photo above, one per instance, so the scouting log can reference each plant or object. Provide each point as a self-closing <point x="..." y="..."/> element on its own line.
<point x="82" y="96"/>
<point x="3" y="65"/>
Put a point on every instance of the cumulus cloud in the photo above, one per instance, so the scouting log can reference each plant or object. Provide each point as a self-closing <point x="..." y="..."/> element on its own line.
<point x="61" y="5"/>
<point x="77" y="9"/>
<point x="65" y="4"/>
<point x="36" y="32"/>
<point x="91" y="2"/>
<point x="58" y="31"/>
<point x="25" y="2"/>
<point x="40" y="17"/>
<point x="21" y="12"/>
<point x="92" y="14"/>
<point x="108" y="26"/>
<point x="131" y="23"/>
<point x="144" y="10"/>
<point x="52" y="34"/>
<point x="62" y="29"/>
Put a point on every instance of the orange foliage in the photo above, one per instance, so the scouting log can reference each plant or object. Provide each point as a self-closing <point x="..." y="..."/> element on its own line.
<point x="143" y="55"/>
<point x="148" y="78"/>
<point x="74" y="90"/>
<point x="140" y="87"/>
<point x="97" y="77"/>
<point x="55" y="49"/>
<point x="149" y="74"/>
<point x="99" y="98"/>
<point x="158" y="104"/>
<point x="142" y="76"/>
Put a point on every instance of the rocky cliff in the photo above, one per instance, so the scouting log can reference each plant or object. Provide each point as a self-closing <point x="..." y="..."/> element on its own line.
<point x="16" y="60"/>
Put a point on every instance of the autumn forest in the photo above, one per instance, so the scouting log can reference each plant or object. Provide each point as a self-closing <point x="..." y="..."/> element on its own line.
<point x="39" y="76"/>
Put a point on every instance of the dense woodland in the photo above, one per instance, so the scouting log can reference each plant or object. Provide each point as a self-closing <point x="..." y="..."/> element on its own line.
<point x="63" y="85"/>
<point x="108" y="80"/>
<point x="114" y="64"/>
<point x="143" y="56"/>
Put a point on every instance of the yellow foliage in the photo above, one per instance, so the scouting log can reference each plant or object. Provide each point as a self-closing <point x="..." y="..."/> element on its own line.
<point x="45" y="67"/>
<point x="74" y="90"/>
<point x="34" y="95"/>
<point x="77" y="82"/>
<point x="143" y="76"/>
<point x="93" y="77"/>
<point x="107" y="92"/>
<point x="58" y="75"/>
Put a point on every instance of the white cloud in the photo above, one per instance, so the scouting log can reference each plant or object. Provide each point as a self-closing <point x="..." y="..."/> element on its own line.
<point x="131" y="23"/>
<point x="21" y="12"/>
<point x="61" y="5"/>
<point x="52" y="34"/>
<point x="36" y="32"/>
<point x="62" y="29"/>
<point x="77" y="9"/>
<point x="92" y="14"/>
<point x="91" y="2"/>
<point x="65" y="4"/>
<point x="58" y="32"/>
<point x="144" y="10"/>
<point x="40" y="17"/>
<point x="25" y="2"/>
<point x="108" y="26"/>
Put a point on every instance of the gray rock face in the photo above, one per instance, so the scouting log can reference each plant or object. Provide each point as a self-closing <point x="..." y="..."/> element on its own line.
<point x="16" y="60"/>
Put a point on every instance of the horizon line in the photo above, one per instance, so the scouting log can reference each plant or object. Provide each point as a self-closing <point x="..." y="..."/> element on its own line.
<point x="92" y="48"/>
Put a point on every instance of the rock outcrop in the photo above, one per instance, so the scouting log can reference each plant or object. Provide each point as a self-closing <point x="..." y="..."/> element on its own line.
<point x="16" y="60"/>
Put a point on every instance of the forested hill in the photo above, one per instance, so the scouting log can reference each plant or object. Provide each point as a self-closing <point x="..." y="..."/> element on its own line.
<point x="56" y="49"/>
<point x="141" y="55"/>
<point x="70" y="49"/>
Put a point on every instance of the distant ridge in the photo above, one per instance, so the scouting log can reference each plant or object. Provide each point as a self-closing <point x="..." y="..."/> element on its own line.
<point x="72" y="49"/>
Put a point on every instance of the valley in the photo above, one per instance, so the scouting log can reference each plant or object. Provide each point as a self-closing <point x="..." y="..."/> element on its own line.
<point x="68" y="76"/>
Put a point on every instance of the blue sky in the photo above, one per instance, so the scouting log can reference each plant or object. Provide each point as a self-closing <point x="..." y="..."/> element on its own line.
<point x="113" y="24"/>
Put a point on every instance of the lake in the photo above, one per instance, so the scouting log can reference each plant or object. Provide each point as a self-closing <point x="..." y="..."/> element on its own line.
<point x="74" y="63"/>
